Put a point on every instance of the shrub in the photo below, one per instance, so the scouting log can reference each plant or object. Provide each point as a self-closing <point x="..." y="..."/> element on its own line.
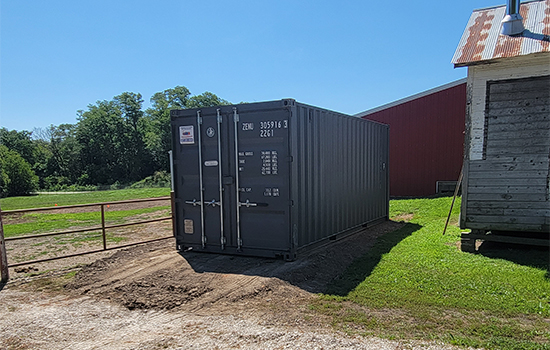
<point x="117" y="186"/>
<point x="158" y="179"/>
<point x="56" y="183"/>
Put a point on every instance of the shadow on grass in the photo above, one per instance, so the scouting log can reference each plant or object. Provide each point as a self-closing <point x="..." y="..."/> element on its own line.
<point x="363" y="267"/>
<point x="534" y="256"/>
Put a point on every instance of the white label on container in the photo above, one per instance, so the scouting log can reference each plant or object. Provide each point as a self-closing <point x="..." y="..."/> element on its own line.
<point x="187" y="135"/>
<point x="188" y="226"/>
<point x="211" y="163"/>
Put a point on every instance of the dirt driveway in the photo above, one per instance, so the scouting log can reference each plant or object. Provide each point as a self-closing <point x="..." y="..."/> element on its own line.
<point x="151" y="297"/>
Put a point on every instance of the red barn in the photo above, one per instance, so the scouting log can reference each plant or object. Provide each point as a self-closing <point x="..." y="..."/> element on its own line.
<point x="426" y="139"/>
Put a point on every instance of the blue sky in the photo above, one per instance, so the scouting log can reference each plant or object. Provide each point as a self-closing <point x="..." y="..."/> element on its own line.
<point x="59" y="56"/>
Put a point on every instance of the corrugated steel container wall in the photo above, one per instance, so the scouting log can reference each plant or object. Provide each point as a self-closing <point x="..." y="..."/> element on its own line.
<point x="330" y="177"/>
<point x="426" y="141"/>
<point x="340" y="177"/>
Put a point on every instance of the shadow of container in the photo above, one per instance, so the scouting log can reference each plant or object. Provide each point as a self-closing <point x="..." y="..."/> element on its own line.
<point x="363" y="267"/>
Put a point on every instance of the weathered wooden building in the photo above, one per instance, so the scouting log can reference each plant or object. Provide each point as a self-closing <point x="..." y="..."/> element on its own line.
<point x="507" y="134"/>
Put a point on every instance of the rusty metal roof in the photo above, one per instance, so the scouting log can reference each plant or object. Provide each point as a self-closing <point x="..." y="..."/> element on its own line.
<point x="482" y="40"/>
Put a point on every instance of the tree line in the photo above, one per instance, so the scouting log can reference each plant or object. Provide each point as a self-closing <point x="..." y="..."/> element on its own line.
<point x="114" y="143"/>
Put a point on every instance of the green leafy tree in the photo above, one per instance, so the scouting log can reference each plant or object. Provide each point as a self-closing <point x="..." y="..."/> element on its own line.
<point x="60" y="152"/>
<point x="4" y="178"/>
<point x="16" y="175"/>
<point x="206" y="99"/>
<point x="110" y="138"/>
<point x="139" y="159"/>
<point x="103" y="143"/>
<point x="20" y="142"/>
<point x="44" y="156"/>
<point x="65" y="151"/>
<point x="32" y="150"/>
<point x="130" y="104"/>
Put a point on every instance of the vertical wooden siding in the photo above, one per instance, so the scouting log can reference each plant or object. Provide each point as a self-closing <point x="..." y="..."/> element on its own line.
<point x="426" y="141"/>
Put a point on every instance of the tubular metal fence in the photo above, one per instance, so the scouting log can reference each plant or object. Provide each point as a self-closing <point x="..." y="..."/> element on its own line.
<point x="103" y="227"/>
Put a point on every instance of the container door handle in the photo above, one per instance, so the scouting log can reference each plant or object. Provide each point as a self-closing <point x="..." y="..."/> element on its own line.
<point x="247" y="204"/>
<point x="193" y="202"/>
<point x="213" y="203"/>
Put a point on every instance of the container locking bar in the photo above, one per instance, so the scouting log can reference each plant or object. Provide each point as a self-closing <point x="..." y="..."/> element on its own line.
<point x="220" y="178"/>
<point x="236" y="128"/>
<point x="199" y="122"/>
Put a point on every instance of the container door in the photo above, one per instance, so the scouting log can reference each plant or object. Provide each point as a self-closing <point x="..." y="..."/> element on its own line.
<point x="199" y="172"/>
<point x="262" y="178"/>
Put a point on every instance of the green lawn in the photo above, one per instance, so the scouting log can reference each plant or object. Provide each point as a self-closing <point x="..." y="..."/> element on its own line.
<point x="48" y="221"/>
<point x="415" y="282"/>
<point x="41" y="222"/>
<point x="50" y="200"/>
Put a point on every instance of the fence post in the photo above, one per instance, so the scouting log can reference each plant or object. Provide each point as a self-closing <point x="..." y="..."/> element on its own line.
<point x="172" y="192"/>
<point x="103" y="227"/>
<point x="4" y="271"/>
<point x="173" y="209"/>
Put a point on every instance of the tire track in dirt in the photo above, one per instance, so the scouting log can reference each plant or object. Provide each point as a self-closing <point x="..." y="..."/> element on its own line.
<point x="157" y="276"/>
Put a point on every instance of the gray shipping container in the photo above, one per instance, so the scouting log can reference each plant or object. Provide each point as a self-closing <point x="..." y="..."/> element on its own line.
<point x="276" y="177"/>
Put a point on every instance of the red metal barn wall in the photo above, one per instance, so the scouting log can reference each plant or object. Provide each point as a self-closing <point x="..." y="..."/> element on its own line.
<point x="426" y="140"/>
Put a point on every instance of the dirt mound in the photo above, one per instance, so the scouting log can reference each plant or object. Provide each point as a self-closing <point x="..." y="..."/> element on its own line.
<point x="156" y="276"/>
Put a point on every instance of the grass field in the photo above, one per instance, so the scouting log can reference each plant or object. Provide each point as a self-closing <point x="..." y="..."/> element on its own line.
<point x="50" y="200"/>
<point x="416" y="282"/>
<point x="40" y="222"/>
<point x="35" y="223"/>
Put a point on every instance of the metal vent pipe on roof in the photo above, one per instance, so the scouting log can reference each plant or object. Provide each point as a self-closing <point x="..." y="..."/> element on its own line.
<point x="512" y="24"/>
